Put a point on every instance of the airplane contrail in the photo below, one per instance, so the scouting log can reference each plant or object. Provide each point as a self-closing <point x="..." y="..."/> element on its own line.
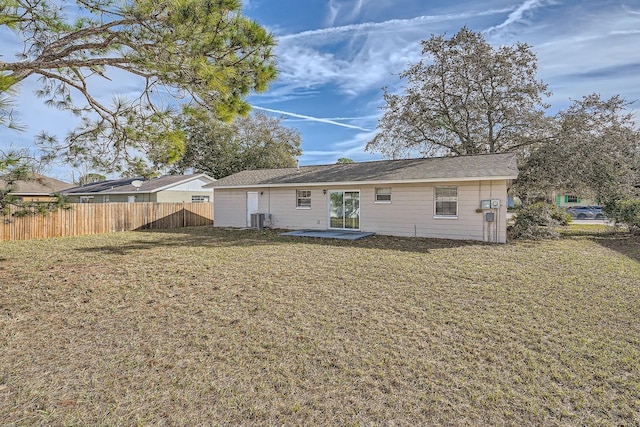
<point x="311" y="118"/>
<point x="389" y="24"/>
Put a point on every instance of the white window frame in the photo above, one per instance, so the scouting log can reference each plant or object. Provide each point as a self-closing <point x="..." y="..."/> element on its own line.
<point x="384" y="192"/>
<point x="443" y="198"/>
<point x="86" y="199"/>
<point x="301" y="195"/>
<point x="200" y="199"/>
<point x="359" y="212"/>
<point x="105" y="199"/>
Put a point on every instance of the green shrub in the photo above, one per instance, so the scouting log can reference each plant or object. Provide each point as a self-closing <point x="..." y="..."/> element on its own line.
<point x="539" y="221"/>
<point x="625" y="211"/>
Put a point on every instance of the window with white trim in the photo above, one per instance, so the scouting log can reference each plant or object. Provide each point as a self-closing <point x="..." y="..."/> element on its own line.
<point x="303" y="199"/>
<point x="446" y="201"/>
<point x="383" y="194"/>
<point x="199" y="199"/>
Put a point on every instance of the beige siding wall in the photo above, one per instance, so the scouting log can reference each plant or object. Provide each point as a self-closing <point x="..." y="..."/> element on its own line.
<point x="281" y="203"/>
<point x="182" y="196"/>
<point x="116" y="198"/>
<point x="161" y="197"/>
<point x="230" y="207"/>
<point x="410" y="213"/>
<point x="123" y="198"/>
<point x="29" y="198"/>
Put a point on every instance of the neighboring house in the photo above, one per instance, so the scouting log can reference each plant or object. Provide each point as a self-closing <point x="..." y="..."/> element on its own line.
<point x="39" y="188"/>
<point x="569" y="200"/>
<point x="450" y="197"/>
<point x="169" y="188"/>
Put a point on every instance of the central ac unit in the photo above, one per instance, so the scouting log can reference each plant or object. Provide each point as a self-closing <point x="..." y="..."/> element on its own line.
<point x="257" y="221"/>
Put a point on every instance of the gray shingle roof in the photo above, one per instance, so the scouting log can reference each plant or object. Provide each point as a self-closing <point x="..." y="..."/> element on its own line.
<point x="488" y="166"/>
<point x="38" y="185"/>
<point x="123" y="185"/>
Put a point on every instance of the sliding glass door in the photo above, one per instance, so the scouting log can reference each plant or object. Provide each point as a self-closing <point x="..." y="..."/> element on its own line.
<point x="344" y="209"/>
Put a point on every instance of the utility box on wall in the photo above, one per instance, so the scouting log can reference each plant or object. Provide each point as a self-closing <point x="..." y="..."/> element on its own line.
<point x="489" y="216"/>
<point x="490" y="204"/>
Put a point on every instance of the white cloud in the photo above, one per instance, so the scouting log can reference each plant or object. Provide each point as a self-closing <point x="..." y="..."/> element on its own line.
<point x="518" y="14"/>
<point x="596" y="52"/>
<point x="337" y="6"/>
<point x="304" y="66"/>
<point x="334" y="9"/>
<point x="624" y="32"/>
<point x="369" y="54"/>
<point x="353" y="148"/>
<point x="632" y="12"/>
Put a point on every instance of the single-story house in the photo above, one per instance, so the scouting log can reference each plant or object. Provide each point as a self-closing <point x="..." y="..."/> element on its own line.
<point x="38" y="188"/>
<point x="168" y="188"/>
<point x="568" y="200"/>
<point x="449" y="197"/>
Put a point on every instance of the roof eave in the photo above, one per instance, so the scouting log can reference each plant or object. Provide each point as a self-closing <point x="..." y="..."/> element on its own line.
<point x="372" y="182"/>
<point x="192" y="178"/>
<point x="33" y="193"/>
<point x="138" y="191"/>
<point x="107" y="192"/>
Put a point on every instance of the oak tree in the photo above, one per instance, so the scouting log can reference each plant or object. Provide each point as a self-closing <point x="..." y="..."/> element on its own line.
<point x="90" y="178"/>
<point x="344" y="160"/>
<point x="464" y="97"/>
<point x="218" y="148"/>
<point x="594" y="152"/>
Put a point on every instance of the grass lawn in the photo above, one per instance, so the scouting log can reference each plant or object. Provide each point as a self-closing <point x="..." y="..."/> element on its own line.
<point x="202" y="326"/>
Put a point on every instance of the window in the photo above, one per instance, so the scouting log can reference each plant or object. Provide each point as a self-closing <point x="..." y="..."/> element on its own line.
<point x="383" y="195"/>
<point x="446" y="201"/>
<point x="105" y="199"/>
<point x="86" y="199"/>
<point x="199" y="199"/>
<point x="303" y="199"/>
<point x="571" y="199"/>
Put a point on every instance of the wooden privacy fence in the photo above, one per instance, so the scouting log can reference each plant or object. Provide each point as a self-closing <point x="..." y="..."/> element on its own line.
<point x="98" y="218"/>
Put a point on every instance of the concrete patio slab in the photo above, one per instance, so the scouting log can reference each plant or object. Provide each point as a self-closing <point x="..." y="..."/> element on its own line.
<point x="330" y="234"/>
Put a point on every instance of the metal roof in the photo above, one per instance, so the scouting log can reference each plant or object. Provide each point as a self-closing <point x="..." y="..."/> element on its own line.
<point x="123" y="185"/>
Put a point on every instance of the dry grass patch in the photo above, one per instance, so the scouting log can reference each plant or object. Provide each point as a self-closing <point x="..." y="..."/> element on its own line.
<point x="203" y="326"/>
<point x="577" y="228"/>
